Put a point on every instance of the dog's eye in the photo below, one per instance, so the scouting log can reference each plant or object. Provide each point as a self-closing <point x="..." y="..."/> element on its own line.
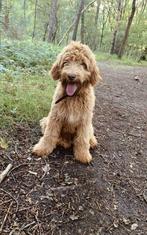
<point x="84" y="66"/>
<point x="65" y="63"/>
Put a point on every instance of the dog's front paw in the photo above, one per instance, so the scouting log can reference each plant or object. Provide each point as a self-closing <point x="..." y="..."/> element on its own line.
<point x="84" y="158"/>
<point x="42" y="149"/>
<point x="93" y="142"/>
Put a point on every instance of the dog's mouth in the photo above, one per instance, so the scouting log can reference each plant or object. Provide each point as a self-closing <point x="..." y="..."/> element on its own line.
<point x="71" y="89"/>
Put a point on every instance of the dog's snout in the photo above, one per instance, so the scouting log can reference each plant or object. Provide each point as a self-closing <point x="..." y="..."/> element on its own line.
<point x="71" y="77"/>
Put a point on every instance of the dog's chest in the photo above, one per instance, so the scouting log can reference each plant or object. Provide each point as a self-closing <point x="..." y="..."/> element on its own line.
<point x="73" y="113"/>
<point x="73" y="118"/>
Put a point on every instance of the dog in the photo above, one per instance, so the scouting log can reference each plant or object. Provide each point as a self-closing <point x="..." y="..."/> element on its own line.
<point x="69" y="121"/>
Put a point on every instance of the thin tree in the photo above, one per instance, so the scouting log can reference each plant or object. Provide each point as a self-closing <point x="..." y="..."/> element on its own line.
<point x="77" y="19"/>
<point x="83" y="27"/>
<point x="52" y="27"/>
<point x="35" y="18"/>
<point x="73" y="23"/>
<point x="45" y="31"/>
<point x="105" y="17"/>
<point x="0" y="6"/>
<point x="130" y="19"/>
<point x="6" y="16"/>
<point x="0" y="20"/>
<point x="95" y="39"/>
<point x="97" y="12"/>
<point x="24" y="9"/>
<point x="117" y="23"/>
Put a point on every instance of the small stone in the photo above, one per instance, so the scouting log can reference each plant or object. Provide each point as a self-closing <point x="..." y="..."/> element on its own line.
<point x="91" y="212"/>
<point x="80" y="208"/>
<point x="126" y="221"/>
<point x="115" y="223"/>
<point x="73" y="217"/>
<point x="134" y="226"/>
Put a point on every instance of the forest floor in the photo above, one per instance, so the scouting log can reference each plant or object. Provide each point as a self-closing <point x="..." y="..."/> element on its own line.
<point x="57" y="195"/>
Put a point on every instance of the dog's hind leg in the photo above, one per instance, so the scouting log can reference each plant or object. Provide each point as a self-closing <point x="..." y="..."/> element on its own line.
<point x="43" y="124"/>
<point x="64" y="143"/>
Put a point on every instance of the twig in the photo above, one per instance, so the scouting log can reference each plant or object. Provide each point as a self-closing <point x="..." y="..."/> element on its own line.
<point x="67" y="31"/>
<point x="5" y="218"/>
<point x="88" y="5"/>
<point x="27" y="225"/>
<point x="11" y="197"/>
<point x="23" y="164"/>
<point x="5" y="172"/>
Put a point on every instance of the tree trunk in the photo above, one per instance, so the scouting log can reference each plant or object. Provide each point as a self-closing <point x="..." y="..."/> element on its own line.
<point x="95" y="39"/>
<point x="77" y="19"/>
<point x="35" y="18"/>
<point x="130" y="19"/>
<point x="52" y="28"/>
<point x="0" y="6"/>
<point x="24" y="10"/>
<point x="45" y="31"/>
<point x="6" y="16"/>
<point x="0" y="22"/>
<point x="103" y="26"/>
<point x="97" y="12"/>
<point x="82" y="28"/>
<point x="117" y="23"/>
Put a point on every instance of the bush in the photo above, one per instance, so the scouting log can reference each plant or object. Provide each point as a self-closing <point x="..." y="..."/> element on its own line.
<point x="25" y="87"/>
<point x="27" y="57"/>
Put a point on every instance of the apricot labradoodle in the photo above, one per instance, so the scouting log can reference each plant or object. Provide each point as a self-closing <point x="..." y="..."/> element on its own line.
<point x="70" y="118"/>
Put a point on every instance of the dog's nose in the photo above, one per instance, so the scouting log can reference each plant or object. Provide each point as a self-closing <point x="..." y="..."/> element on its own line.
<point x="71" y="77"/>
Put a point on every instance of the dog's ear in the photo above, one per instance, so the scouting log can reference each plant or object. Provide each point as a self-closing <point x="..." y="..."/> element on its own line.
<point x="95" y="74"/>
<point x="55" y="69"/>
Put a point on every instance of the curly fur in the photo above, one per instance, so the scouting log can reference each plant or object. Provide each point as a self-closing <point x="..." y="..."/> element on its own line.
<point x="70" y="121"/>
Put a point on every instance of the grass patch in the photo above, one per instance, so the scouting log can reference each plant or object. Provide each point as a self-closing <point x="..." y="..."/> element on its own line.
<point x="25" y="100"/>
<point x="100" y="56"/>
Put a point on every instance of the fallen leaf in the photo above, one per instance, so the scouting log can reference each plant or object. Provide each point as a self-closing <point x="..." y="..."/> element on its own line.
<point x="3" y="143"/>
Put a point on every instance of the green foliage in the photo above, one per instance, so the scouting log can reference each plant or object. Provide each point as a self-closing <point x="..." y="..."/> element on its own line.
<point x="113" y="59"/>
<point x="26" y="57"/>
<point x="17" y="22"/>
<point x="25" y="87"/>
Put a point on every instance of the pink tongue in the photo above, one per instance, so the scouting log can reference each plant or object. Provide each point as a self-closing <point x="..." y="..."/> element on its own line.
<point x="70" y="89"/>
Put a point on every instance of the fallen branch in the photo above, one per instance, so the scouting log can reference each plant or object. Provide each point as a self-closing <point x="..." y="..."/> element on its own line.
<point x="5" y="218"/>
<point x="5" y="172"/>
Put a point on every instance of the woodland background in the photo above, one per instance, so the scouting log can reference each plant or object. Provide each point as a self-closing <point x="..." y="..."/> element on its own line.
<point x="112" y="26"/>
<point x="33" y="32"/>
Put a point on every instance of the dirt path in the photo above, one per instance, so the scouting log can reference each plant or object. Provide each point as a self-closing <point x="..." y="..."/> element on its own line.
<point x="60" y="196"/>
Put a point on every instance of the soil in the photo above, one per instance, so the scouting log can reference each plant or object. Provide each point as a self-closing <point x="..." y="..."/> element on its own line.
<point x="57" y="195"/>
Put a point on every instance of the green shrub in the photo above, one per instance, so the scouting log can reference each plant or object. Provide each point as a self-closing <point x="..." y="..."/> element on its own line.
<point x="27" y="57"/>
<point x="25" y="86"/>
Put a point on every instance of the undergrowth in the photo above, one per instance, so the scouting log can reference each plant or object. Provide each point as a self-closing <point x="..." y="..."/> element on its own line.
<point x="25" y="86"/>
<point x="113" y="59"/>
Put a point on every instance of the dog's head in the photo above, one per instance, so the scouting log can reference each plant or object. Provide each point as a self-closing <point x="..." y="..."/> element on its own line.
<point x="75" y="67"/>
